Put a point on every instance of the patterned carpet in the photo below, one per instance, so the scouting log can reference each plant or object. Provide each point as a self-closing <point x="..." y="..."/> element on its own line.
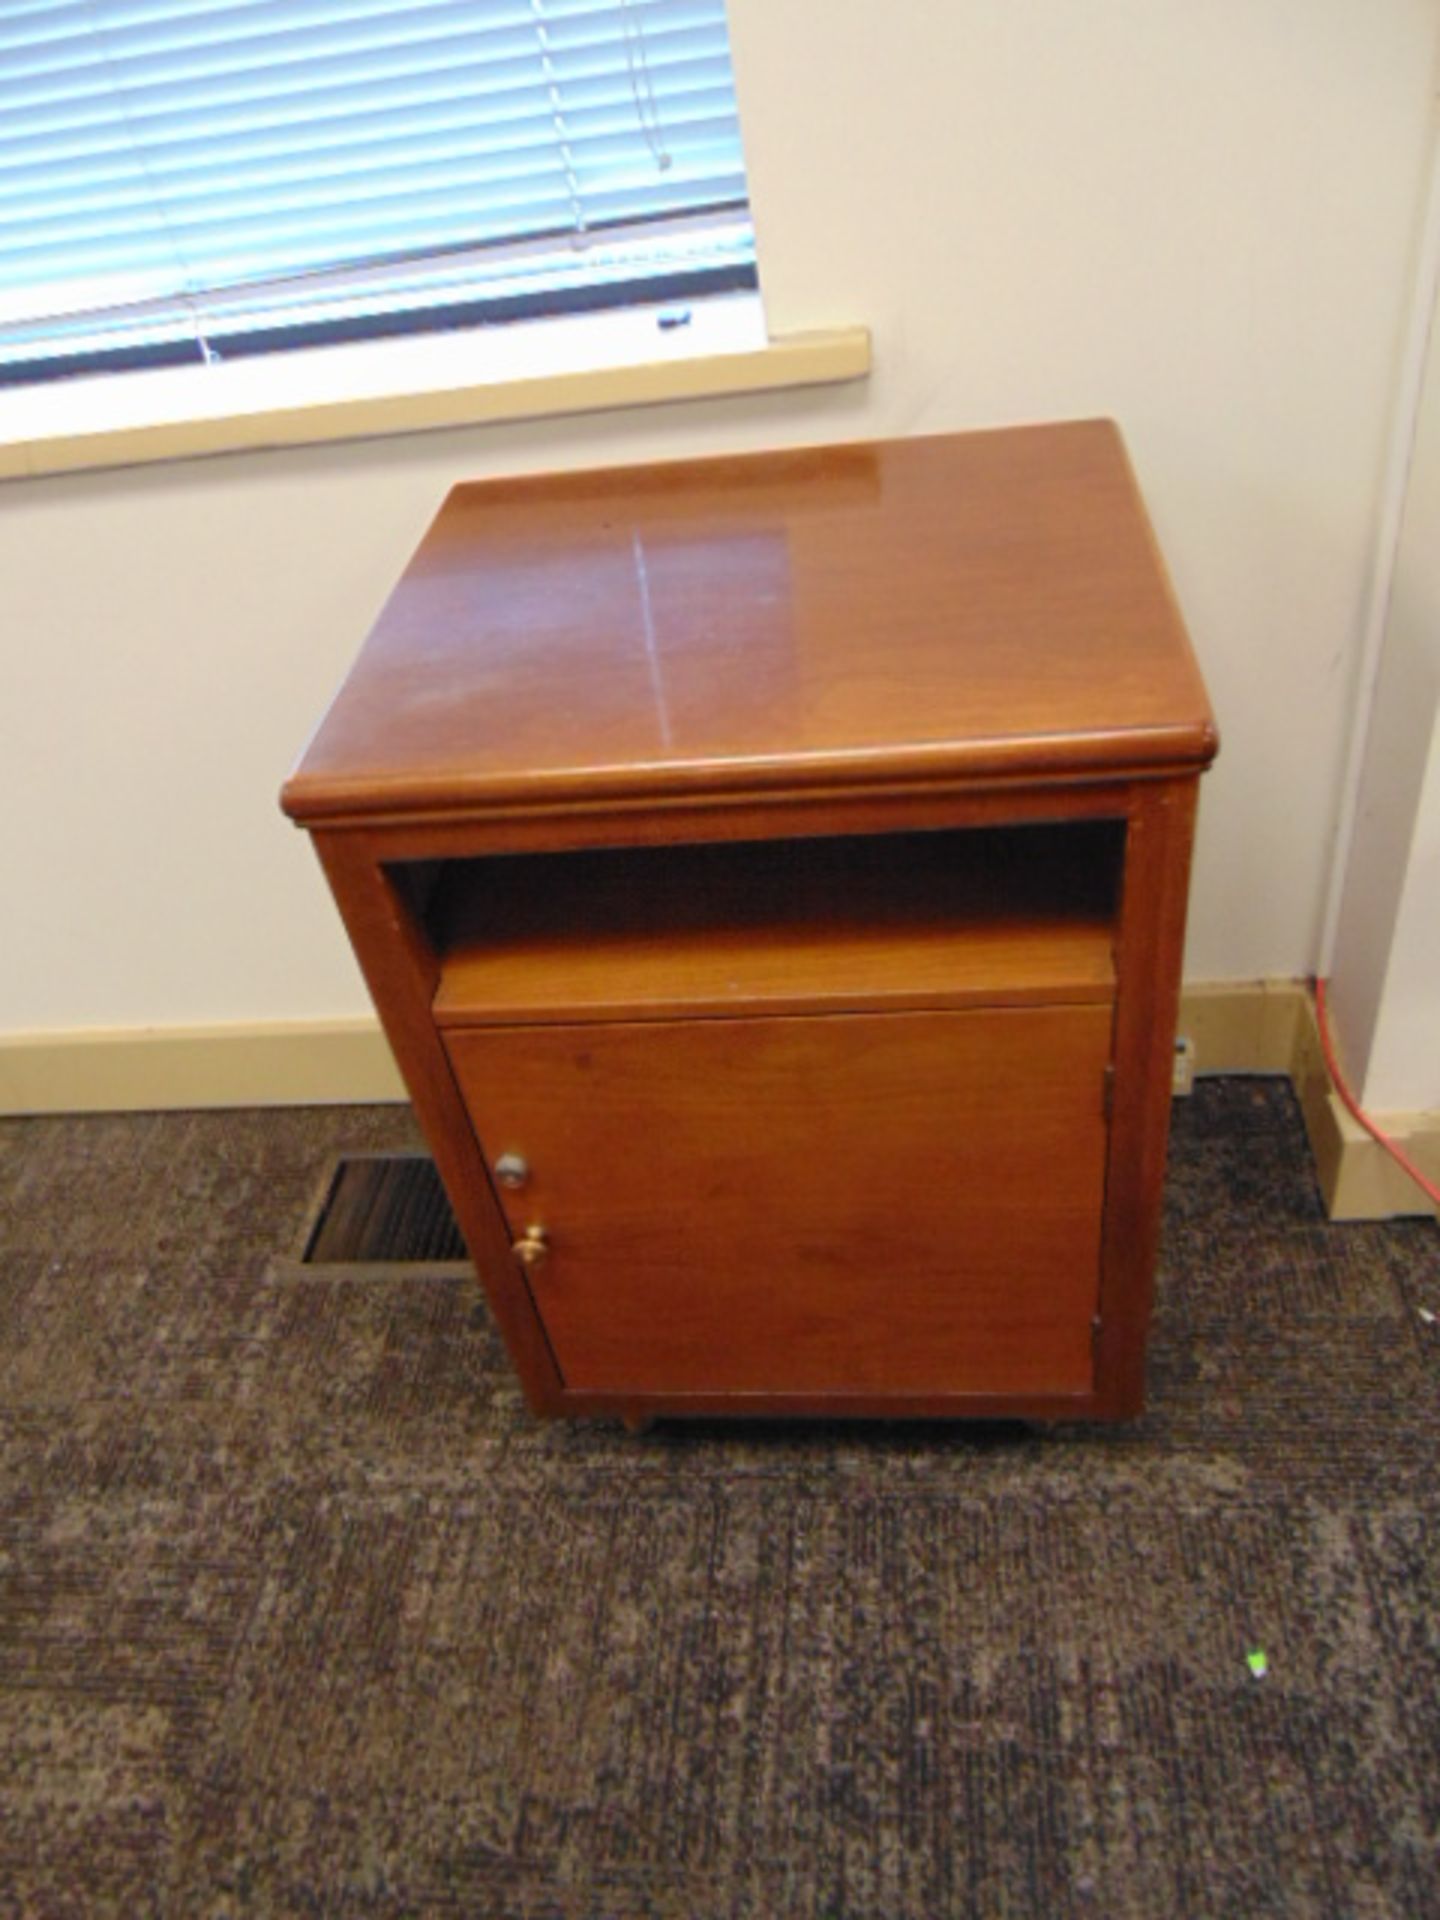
<point x="301" y="1613"/>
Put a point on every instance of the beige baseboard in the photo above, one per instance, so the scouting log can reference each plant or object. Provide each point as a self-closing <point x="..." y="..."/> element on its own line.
<point x="1243" y="1026"/>
<point x="260" y="1064"/>
<point x="1269" y="1026"/>
<point x="1260" y="1026"/>
<point x="1358" y="1177"/>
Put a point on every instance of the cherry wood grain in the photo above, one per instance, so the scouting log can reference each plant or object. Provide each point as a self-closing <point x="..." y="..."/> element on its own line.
<point x="959" y="607"/>
<point x="900" y="1203"/>
<point x="899" y="920"/>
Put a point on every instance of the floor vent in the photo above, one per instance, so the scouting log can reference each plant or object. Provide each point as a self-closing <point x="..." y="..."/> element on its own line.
<point x="381" y="1208"/>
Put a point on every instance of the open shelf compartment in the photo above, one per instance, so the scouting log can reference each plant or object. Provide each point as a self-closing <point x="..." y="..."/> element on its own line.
<point x="1007" y="916"/>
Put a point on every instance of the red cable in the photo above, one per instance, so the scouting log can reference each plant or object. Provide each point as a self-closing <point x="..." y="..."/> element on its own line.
<point x="1342" y="1088"/>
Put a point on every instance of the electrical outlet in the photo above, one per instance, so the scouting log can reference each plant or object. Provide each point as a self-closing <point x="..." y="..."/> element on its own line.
<point x="1183" y="1079"/>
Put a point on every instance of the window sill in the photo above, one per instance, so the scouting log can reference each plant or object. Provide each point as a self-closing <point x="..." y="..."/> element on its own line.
<point x="530" y="369"/>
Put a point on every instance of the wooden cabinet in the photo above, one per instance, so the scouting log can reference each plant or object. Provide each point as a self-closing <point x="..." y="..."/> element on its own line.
<point x="771" y="874"/>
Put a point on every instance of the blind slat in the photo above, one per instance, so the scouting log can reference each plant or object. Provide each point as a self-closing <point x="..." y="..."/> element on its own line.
<point x="467" y="62"/>
<point x="350" y="115"/>
<point x="209" y="177"/>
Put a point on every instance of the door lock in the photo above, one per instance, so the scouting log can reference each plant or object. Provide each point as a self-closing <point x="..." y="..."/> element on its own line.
<point x="532" y="1249"/>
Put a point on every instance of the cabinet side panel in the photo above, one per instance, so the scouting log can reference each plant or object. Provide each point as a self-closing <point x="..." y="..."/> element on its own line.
<point x="1152" y="936"/>
<point x="400" y="970"/>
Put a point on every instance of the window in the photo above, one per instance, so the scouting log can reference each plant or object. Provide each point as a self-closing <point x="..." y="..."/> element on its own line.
<point x="186" y="180"/>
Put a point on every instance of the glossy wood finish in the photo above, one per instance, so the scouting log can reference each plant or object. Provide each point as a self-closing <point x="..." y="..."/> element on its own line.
<point x="881" y="1203"/>
<point x="709" y="665"/>
<point x="960" y="607"/>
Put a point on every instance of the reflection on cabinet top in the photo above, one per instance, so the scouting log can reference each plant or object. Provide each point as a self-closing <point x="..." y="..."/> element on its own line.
<point x="1003" y="917"/>
<point x="956" y="608"/>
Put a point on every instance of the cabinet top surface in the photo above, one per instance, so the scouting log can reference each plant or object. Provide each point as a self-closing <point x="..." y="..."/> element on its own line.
<point x="962" y="607"/>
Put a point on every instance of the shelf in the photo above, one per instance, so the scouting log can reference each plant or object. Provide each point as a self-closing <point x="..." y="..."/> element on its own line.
<point x="1003" y="917"/>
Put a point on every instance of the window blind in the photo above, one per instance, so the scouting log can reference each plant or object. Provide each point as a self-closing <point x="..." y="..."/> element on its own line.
<point x="185" y="179"/>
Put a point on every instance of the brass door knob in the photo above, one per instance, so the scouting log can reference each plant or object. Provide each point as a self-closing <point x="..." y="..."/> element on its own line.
<point x="532" y="1249"/>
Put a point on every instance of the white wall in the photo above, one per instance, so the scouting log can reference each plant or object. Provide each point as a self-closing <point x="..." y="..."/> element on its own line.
<point x="1386" y="986"/>
<point x="1196" y="218"/>
<point x="1404" y="1070"/>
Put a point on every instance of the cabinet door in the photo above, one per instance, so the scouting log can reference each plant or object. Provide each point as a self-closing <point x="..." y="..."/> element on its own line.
<point x="843" y="1203"/>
